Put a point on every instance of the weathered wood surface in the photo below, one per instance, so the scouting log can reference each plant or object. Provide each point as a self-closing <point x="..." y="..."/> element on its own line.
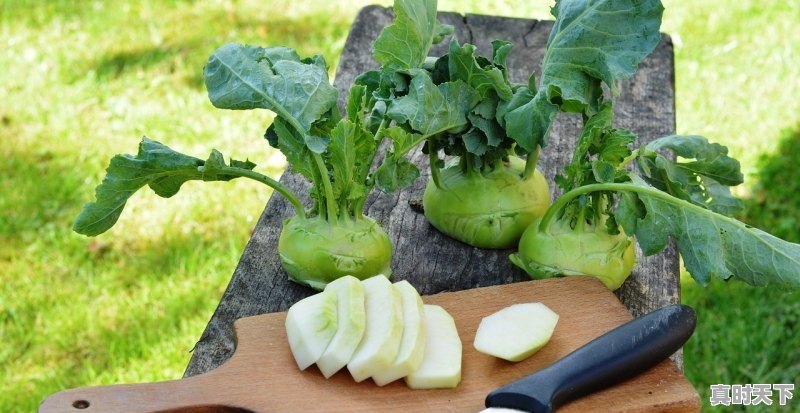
<point x="429" y="260"/>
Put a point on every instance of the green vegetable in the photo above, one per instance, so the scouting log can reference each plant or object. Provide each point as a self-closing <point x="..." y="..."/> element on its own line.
<point x="465" y="106"/>
<point x="486" y="210"/>
<point x="320" y="252"/>
<point x="684" y="199"/>
<point x="334" y="153"/>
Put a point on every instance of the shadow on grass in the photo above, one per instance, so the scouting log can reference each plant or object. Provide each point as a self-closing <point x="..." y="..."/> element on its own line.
<point x="749" y="334"/>
<point x="774" y="204"/>
<point x="187" y="53"/>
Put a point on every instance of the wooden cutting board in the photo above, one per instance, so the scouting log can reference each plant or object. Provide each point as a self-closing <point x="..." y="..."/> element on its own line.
<point x="261" y="376"/>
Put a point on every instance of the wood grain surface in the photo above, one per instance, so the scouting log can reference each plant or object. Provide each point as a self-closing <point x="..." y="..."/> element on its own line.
<point x="431" y="261"/>
<point x="263" y="377"/>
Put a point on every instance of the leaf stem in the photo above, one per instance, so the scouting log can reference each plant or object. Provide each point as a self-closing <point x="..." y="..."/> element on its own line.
<point x="277" y="186"/>
<point x="561" y="202"/>
<point x="433" y="157"/>
<point x="530" y="163"/>
<point x="332" y="211"/>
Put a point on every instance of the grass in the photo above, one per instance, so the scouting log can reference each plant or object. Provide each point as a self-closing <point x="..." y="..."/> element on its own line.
<point x="83" y="80"/>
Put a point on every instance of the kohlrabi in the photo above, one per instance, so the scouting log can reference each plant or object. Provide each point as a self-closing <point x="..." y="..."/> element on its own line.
<point x="689" y="199"/>
<point x="334" y="153"/>
<point x="464" y="106"/>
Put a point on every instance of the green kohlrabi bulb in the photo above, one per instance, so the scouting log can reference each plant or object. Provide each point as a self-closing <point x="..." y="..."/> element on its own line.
<point x="314" y="252"/>
<point x="563" y="250"/>
<point x="486" y="210"/>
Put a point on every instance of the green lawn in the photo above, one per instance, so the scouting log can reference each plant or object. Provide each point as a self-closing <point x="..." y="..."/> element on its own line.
<point x="83" y="80"/>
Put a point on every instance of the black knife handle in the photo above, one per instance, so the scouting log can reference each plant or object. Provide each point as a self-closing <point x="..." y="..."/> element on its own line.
<point x="618" y="355"/>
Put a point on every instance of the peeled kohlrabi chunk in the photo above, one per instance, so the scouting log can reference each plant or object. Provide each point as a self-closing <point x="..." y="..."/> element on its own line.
<point x="384" y="329"/>
<point x="352" y="321"/>
<point x="310" y="326"/>
<point x="516" y="332"/>
<point x="412" y="345"/>
<point x="441" y="362"/>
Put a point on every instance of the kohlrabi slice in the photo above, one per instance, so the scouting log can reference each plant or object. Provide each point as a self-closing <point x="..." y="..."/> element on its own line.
<point x="516" y="332"/>
<point x="412" y="345"/>
<point x="352" y="322"/>
<point x="384" y="329"/>
<point x="441" y="363"/>
<point x="310" y="325"/>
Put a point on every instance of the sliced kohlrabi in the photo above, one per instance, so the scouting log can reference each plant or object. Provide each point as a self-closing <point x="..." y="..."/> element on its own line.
<point x="412" y="345"/>
<point x="352" y="322"/>
<point x="384" y="329"/>
<point x="441" y="363"/>
<point x="310" y="325"/>
<point x="516" y="332"/>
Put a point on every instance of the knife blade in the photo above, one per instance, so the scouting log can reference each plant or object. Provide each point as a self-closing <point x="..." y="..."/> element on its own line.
<point x="620" y="354"/>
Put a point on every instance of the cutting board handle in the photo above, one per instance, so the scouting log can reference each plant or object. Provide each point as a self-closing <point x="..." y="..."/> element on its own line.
<point x="214" y="391"/>
<point x="190" y="395"/>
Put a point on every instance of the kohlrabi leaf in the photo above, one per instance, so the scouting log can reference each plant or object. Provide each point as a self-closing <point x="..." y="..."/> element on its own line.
<point x="406" y="42"/>
<point x="294" y="148"/>
<point x="711" y="244"/>
<point x="156" y="165"/>
<point x="464" y="66"/>
<point x="591" y="41"/>
<point x="402" y="141"/>
<point x="430" y="109"/>
<point x="250" y="77"/>
<point x="396" y="172"/>
<point x="351" y="151"/>
<point x="530" y="120"/>
<point x="702" y="176"/>
<point x="356" y="103"/>
<point x="710" y="159"/>
<point x="500" y="50"/>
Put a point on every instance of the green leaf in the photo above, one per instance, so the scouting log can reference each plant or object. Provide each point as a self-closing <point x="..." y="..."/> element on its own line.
<point x="356" y="103"/>
<point x="475" y="142"/>
<point x="703" y="180"/>
<point x="395" y="173"/>
<point x="249" y="77"/>
<point x="713" y="245"/>
<point x="711" y="159"/>
<point x="591" y="41"/>
<point x="407" y="41"/>
<point x="155" y="165"/>
<point x="464" y="66"/>
<point x="492" y="130"/>
<point x="431" y="109"/>
<point x="500" y="50"/>
<point x="294" y="149"/>
<point x="402" y="141"/>
<point x="351" y="152"/>
<point x="603" y="171"/>
<point x="529" y="123"/>
<point x="600" y="39"/>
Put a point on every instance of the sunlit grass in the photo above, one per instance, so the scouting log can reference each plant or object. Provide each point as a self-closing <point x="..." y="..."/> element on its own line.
<point x="83" y="80"/>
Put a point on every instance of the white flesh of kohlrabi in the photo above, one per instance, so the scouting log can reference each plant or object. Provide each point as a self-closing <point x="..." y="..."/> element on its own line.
<point x="352" y="322"/>
<point x="441" y="362"/>
<point x="384" y="329"/>
<point x="516" y="332"/>
<point x="412" y="345"/>
<point x="310" y="325"/>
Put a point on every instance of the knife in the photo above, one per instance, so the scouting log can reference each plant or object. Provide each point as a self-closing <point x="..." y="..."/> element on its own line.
<point x="618" y="355"/>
